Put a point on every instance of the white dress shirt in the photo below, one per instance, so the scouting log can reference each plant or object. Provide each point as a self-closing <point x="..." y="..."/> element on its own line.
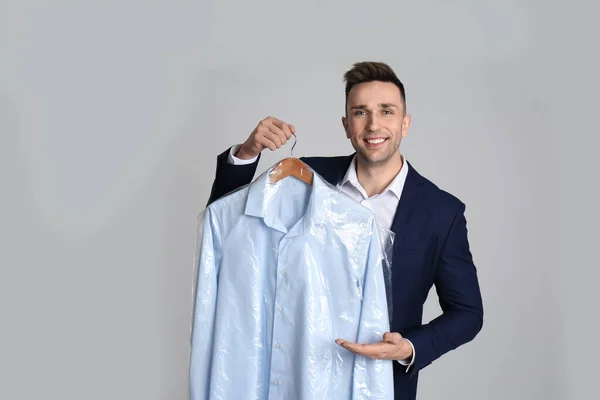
<point x="383" y="204"/>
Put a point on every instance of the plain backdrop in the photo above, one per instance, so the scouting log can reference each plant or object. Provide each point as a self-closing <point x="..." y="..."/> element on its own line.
<point x="112" y="114"/>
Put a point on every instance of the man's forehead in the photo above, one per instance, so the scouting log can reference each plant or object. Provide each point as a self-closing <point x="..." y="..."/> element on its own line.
<point x="380" y="105"/>
<point x="375" y="93"/>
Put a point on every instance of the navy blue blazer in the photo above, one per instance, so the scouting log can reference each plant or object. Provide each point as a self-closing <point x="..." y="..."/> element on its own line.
<point x="430" y="248"/>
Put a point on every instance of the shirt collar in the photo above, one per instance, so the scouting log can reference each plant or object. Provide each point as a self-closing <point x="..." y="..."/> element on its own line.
<point x="395" y="186"/>
<point x="262" y="190"/>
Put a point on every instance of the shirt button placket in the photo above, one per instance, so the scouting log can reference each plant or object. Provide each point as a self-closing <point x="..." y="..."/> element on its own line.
<point x="277" y="359"/>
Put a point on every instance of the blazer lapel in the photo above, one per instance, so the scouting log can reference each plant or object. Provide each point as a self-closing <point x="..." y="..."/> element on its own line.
<point x="408" y="211"/>
<point x="332" y="169"/>
<point x="335" y="175"/>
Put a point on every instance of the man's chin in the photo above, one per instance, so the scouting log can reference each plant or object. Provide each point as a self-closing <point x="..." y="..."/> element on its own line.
<point x="373" y="159"/>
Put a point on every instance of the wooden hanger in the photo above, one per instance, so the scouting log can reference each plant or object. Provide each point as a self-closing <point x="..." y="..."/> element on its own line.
<point x="291" y="167"/>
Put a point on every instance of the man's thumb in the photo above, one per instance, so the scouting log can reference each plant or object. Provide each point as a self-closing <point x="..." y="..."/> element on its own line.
<point x="392" y="337"/>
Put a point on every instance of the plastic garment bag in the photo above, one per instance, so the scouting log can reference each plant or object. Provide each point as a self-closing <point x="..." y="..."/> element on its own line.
<point x="281" y="271"/>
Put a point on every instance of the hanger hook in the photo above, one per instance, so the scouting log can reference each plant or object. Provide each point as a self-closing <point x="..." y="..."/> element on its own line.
<point x="294" y="145"/>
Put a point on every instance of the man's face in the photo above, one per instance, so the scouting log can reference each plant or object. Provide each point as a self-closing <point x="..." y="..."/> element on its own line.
<point x="375" y="122"/>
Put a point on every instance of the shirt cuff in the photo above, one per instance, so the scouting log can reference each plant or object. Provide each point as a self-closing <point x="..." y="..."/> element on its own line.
<point x="237" y="161"/>
<point x="409" y="364"/>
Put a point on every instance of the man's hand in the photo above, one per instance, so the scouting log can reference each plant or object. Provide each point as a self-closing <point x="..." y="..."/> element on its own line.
<point x="270" y="133"/>
<point x="392" y="347"/>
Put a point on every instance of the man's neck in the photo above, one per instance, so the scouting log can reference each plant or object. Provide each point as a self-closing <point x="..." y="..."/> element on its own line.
<point x="374" y="178"/>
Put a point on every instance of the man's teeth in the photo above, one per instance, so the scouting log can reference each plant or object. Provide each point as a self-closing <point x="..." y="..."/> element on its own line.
<point x="375" y="141"/>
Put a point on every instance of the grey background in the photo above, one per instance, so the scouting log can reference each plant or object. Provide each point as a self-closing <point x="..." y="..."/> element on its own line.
<point x="112" y="114"/>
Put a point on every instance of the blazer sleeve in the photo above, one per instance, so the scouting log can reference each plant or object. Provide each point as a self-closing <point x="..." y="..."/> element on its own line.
<point x="459" y="296"/>
<point x="229" y="177"/>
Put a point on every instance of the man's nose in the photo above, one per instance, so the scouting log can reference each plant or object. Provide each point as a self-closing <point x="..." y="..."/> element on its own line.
<point x="373" y="123"/>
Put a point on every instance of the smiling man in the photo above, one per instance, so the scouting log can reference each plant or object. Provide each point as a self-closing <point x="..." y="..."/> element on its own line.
<point x="431" y="245"/>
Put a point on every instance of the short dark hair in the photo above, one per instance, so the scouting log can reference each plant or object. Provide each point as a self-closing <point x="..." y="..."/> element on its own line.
<point x="369" y="71"/>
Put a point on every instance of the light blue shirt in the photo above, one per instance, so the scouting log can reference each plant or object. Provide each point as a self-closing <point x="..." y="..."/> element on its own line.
<point x="383" y="204"/>
<point x="283" y="270"/>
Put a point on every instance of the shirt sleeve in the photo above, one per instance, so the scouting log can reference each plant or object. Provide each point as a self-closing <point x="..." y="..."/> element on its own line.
<point x="373" y="379"/>
<point x="412" y="359"/>
<point x="238" y="161"/>
<point x="207" y="260"/>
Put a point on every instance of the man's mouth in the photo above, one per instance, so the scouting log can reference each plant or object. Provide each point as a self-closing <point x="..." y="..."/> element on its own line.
<point x="374" y="142"/>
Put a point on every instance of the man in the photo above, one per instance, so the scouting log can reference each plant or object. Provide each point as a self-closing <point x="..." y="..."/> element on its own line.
<point x="431" y="245"/>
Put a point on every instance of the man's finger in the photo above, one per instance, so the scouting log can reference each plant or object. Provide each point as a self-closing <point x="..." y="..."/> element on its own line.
<point x="278" y="123"/>
<point x="375" y="350"/>
<point x="287" y="129"/>
<point x="354" y="347"/>
<point x="268" y="143"/>
<point x="275" y="138"/>
<point x="280" y="133"/>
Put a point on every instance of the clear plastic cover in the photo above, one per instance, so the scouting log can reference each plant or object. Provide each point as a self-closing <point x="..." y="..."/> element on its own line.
<point x="281" y="271"/>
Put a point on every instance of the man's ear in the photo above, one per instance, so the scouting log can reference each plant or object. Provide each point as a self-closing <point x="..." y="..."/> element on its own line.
<point x="406" y="125"/>
<point x="345" y="125"/>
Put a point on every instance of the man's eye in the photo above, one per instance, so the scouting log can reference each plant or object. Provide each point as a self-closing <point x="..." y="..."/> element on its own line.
<point x="359" y="113"/>
<point x="388" y="112"/>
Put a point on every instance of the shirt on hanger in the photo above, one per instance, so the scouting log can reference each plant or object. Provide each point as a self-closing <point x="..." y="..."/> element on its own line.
<point x="283" y="270"/>
<point x="383" y="205"/>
